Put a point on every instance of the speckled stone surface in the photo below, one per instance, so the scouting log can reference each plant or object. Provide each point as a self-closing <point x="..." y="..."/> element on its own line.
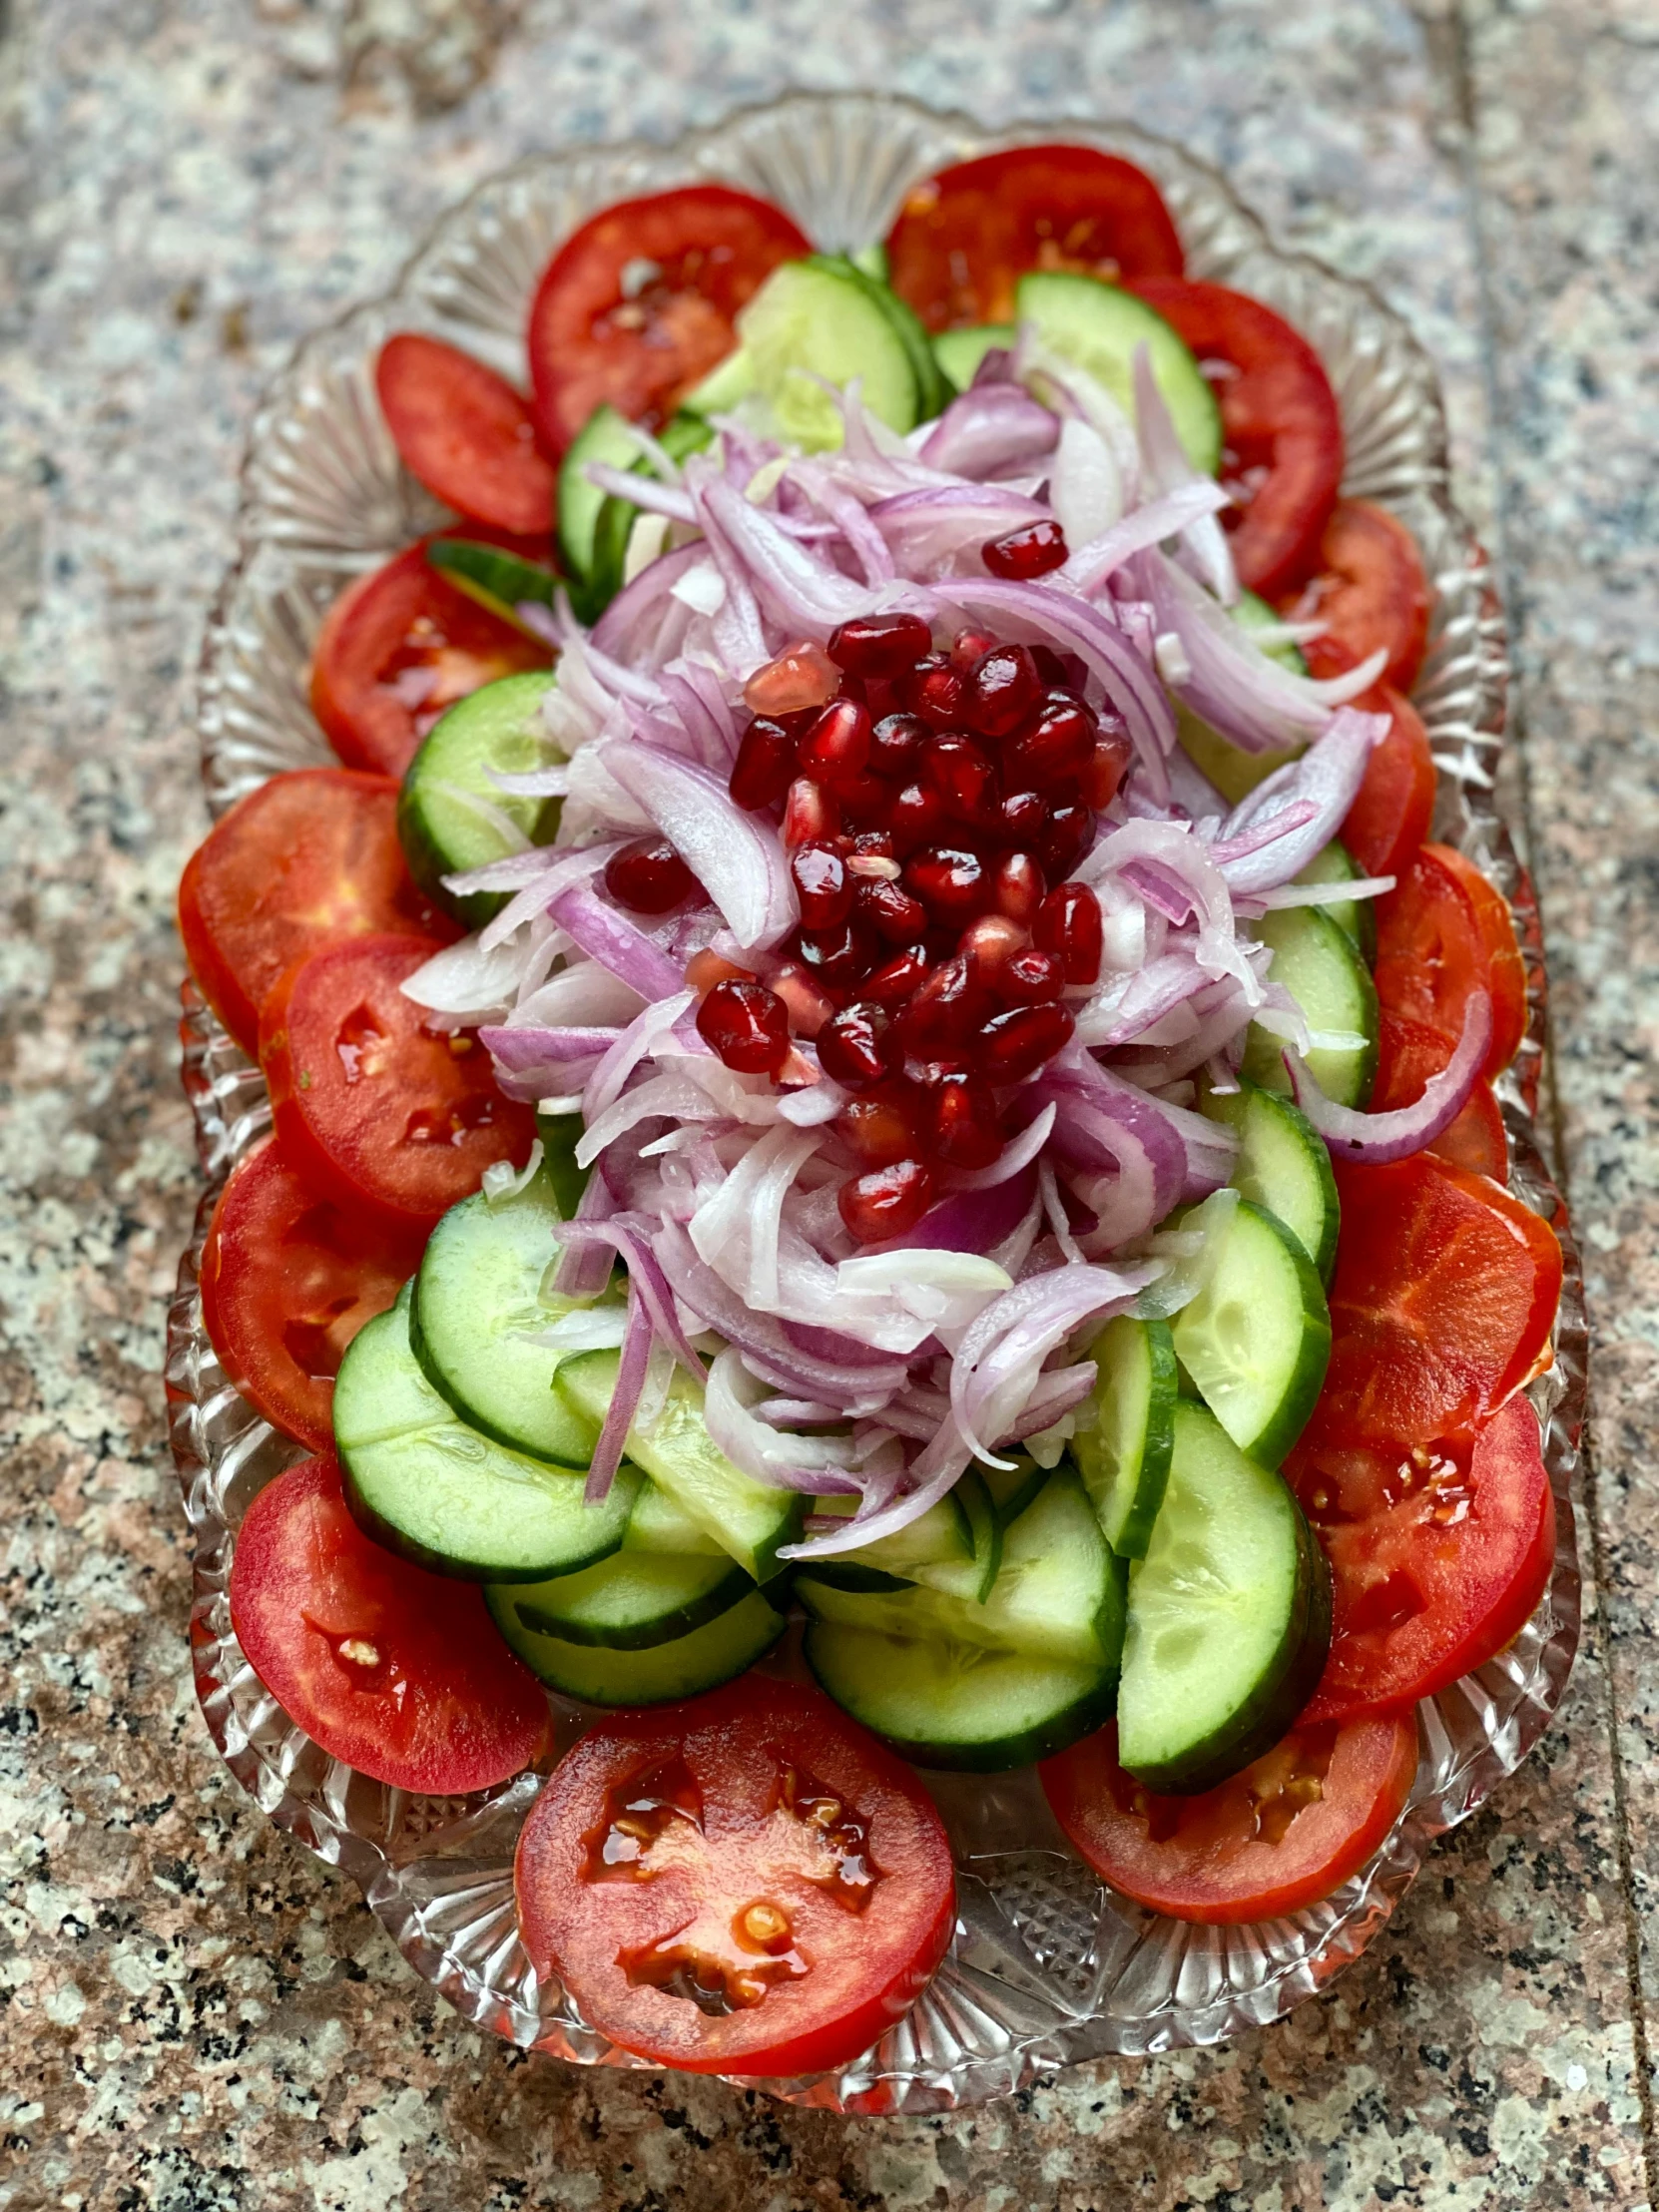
<point x="192" y="2016"/>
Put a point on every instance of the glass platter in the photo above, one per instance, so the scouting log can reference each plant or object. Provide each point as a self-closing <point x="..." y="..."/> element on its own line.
<point x="1047" y="1966"/>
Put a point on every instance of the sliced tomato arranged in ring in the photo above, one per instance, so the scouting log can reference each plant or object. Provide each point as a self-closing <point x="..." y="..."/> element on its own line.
<point x="400" y="1673"/>
<point x="1442" y="932"/>
<point x="1442" y="1305"/>
<point x="397" y="648"/>
<point x="1438" y="1557"/>
<point x="1409" y="1053"/>
<point x="1370" y="591"/>
<point x="642" y="302"/>
<point x="1395" y="804"/>
<point x="287" y="1280"/>
<point x="372" y="1107"/>
<point x="1281" y="431"/>
<point x="308" y="858"/>
<point x="1282" y="1834"/>
<point x="746" y="1884"/>
<point x="465" y="433"/>
<point x="964" y="238"/>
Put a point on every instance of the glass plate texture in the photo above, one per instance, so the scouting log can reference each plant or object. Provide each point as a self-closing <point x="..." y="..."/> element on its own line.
<point x="1047" y="1965"/>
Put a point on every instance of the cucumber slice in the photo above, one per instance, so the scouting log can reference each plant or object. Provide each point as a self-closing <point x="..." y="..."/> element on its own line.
<point x="1099" y="326"/>
<point x="1234" y="771"/>
<point x="1257" y="1339"/>
<point x="943" y="1536"/>
<point x="445" y="805"/>
<point x="814" y="321"/>
<point x="661" y="1523"/>
<point x="1012" y="1488"/>
<point x="560" y="1134"/>
<point x="477" y="1302"/>
<point x="632" y="1600"/>
<point x="598" y="1675"/>
<point x="1322" y="969"/>
<point x="872" y="260"/>
<point x="752" y="1522"/>
<point x="1229" y="1618"/>
<point x="1123" y="1456"/>
<point x="959" y="352"/>
<point x="933" y="387"/>
<point x="971" y="1580"/>
<point x="615" y="557"/>
<point x="958" y="1706"/>
<point x="495" y="578"/>
<point x="427" y="1485"/>
<point x="606" y="436"/>
<point x="1284" y="1166"/>
<point x="1356" y="918"/>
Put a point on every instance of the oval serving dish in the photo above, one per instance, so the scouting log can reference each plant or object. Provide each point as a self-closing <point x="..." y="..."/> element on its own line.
<point x="1047" y="1966"/>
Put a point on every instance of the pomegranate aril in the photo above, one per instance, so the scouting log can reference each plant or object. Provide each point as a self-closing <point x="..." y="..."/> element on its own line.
<point x="880" y="645"/>
<point x="1002" y="688"/>
<point x="1030" y="978"/>
<point x="880" y="1126"/>
<point x="822" y="884"/>
<point x="865" y="799"/>
<point x="1022" y="554"/>
<point x="801" y="676"/>
<point x="810" y="815"/>
<point x="855" y="1046"/>
<point x="1013" y="1045"/>
<point x="836" y="957"/>
<point x="967" y="1130"/>
<point x="837" y="746"/>
<point x="809" y="1004"/>
<point x="1068" y="924"/>
<point x="950" y="880"/>
<point x="1066" y="835"/>
<point x="1108" y="766"/>
<point x="1055" y="671"/>
<point x="1023" y="815"/>
<point x="707" y="968"/>
<point x="886" y="1202"/>
<point x="969" y="646"/>
<point x="889" y="910"/>
<point x="933" y="689"/>
<point x="986" y="944"/>
<point x="746" y="1026"/>
<point x="766" y="764"/>
<point x="964" y="779"/>
<point x="895" y="744"/>
<point x="1017" y="887"/>
<point x="943" y="1012"/>
<point x="916" y="816"/>
<point x="1057" y="741"/>
<point x="649" y="876"/>
<point x="893" y="983"/>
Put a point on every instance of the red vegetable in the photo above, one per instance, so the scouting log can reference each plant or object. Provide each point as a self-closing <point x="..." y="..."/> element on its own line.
<point x="1409" y="1053"/>
<point x="1442" y="933"/>
<point x="1395" y="804"/>
<point x="1370" y="590"/>
<point x="465" y="433"/>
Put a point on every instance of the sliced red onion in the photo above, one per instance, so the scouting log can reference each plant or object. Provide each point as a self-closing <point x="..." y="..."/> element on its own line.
<point x="1088" y="567"/>
<point x="615" y="627"/>
<point x="1325" y="895"/>
<point x="635" y="1043"/>
<point x="609" y="938"/>
<point x="465" y="979"/>
<point x="992" y="426"/>
<point x="641" y="491"/>
<point x="929" y="527"/>
<point x="1378" y="1138"/>
<point x="563" y="870"/>
<point x="821" y="1464"/>
<point x="619" y="1415"/>
<point x="1085" y="484"/>
<point x="998" y="1359"/>
<point x="1186" y="1257"/>
<point x="949" y="1461"/>
<point x="804" y="593"/>
<point x="735" y="856"/>
<point x="583" y="1268"/>
<point x="629" y="1235"/>
<point x="1014" y="1158"/>
<point x="583" y="996"/>
<point x="1326" y="780"/>
<point x="973" y="1219"/>
<point x="1227" y="852"/>
<point x="737" y="1228"/>
<point x="1053" y="1395"/>
<point x="1169" y="470"/>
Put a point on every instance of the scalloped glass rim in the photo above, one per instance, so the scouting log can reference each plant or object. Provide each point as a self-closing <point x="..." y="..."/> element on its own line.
<point x="1047" y="1965"/>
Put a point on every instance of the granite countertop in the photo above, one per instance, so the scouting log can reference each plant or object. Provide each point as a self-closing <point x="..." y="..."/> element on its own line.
<point x="193" y="2015"/>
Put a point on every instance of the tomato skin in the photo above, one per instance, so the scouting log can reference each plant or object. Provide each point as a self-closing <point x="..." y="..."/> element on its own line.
<point x="406" y="620"/>
<point x="287" y="1280"/>
<point x="1201" y="1858"/>
<point x="965" y="236"/>
<point x="1410" y="1052"/>
<point x="1277" y="414"/>
<point x="372" y="1107"/>
<point x="1444" y="1300"/>
<point x="309" y="856"/>
<point x="1395" y="804"/>
<point x="1426" y="1585"/>
<point x="442" y="1706"/>
<point x="725" y="1760"/>
<point x="465" y="433"/>
<point x="1371" y="590"/>
<point x="1442" y="933"/>
<point x="592" y="343"/>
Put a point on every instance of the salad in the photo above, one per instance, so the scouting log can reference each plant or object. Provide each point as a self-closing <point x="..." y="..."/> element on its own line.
<point x="885" y="1154"/>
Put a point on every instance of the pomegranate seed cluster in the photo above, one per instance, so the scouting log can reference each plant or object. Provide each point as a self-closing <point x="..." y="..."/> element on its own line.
<point x="932" y="805"/>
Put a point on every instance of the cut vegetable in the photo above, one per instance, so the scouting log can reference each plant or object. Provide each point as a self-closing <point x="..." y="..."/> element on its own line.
<point x="452" y="814"/>
<point x="1099" y="326"/>
<point x="1318" y="965"/>
<point x="708" y="1656"/>
<point x="1257" y="1338"/>
<point x="959" y="352"/>
<point x="631" y="1601"/>
<point x="1283" y="1166"/>
<point x="1126" y="1430"/>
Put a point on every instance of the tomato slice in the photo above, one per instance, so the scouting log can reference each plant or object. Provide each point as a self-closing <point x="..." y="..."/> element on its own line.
<point x="287" y="1280"/>
<point x="465" y="433"/>
<point x="308" y="858"/>
<point x="1438" y="1558"/>
<point x="1371" y="590"/>
<point x="1442" y="932"/>
<point x="642" y="302"/>
<point x="400" y="1673"/>
<point x="1283" y="453"/>
<point x="1410" y="1052"/>
<point x="964" y="238"/>
<point x="1395" y="804"/>
<point x="746" y="1884"/>
<point x="372" y="1107"/>
<point x="1442" y="1303"/>
<point x="397" y="648"/>
<point x="1280" y="1835"/>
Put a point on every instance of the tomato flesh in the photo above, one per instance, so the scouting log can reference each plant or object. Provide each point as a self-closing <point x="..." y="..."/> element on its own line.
<point x="400" y="1673"/>
<point x="397" y="648"/>
<point x="746" y="1884"/>
<point x="308" y="858"/>
<point x="642" y="302"/>
<point x="1282" y="432"/>
<point x="1370" y="591"/>
<point x="964" y="238"/>
<point x="1443" y="932"/>
<point x="372" y="1107"/>
<point x="1438" y="1558"/>
<point x="1410" y="1052"/>
<point x="287" y="1280"/>
<point x="465" y="433"/>
<point x="1278" y="1835"/>
<point x="1442" y="1303"/>
<point x="1395" y="804"/>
